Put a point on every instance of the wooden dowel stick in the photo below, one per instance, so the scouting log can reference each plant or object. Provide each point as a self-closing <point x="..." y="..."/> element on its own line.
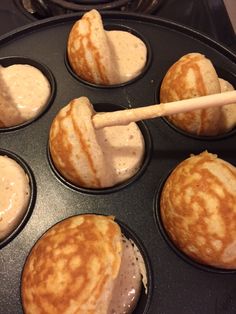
<point x="123" y="117"/>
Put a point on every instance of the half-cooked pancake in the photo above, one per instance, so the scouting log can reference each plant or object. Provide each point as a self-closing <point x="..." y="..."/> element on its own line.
<point x="104" y="57"/>
<point x="88" y="50"/>
<point x="93" y="158"/>
<point x="228" y="111"/>
<point x="191" y="76"/>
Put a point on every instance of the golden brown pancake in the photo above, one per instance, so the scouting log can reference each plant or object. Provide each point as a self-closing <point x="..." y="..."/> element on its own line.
<point x="93" y="158"/>
<point x="74" y="147"/>
<point x="198" y="209"/>
<point x="104" y="57"/>
<point x="72" y="268"/>
<point x="228" y="111"/>
<point x="88" y="50"/>
<point x="194" y="75"/>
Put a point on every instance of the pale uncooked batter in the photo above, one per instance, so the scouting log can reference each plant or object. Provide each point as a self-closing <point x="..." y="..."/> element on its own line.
<point x="14" y="195"/>
<point x="123" y="148"/>
<point x="130" y="53"/>
<point x="24" y="92"/>
<point x="128" y="284"/>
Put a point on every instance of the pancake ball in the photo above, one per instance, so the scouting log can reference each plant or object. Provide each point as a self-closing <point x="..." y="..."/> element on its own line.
<point x="82" y="265"/>
<point x="198" y="210"/>
<point x="93" y="158"/>
<point x="194" y="75"/>
<point x="104" y="57"/>
<point x="228" y="111"/>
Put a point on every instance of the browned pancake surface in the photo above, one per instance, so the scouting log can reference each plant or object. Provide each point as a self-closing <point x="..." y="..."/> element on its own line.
<point x="191" y="76"/>
<point x="71" y="268"/>
<point x="88" y="50"/>
<point x="74" y="148"/>
<point x="198" y="209"/>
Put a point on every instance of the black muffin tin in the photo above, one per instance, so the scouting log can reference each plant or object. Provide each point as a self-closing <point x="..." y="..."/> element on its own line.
<point x="175" y="286"/>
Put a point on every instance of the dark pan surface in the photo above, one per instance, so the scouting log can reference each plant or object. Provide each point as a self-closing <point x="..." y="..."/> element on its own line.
<point x="178" y="287"/>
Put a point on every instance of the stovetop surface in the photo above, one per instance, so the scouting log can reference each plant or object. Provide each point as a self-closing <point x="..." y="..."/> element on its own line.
<point x="202" y="15"/>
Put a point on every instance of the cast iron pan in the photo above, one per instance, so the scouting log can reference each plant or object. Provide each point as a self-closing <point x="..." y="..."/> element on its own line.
<point x="176" y="285"/>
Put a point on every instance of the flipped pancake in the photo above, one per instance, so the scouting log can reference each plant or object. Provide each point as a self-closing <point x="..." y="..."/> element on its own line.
<point x="94" y="158"/>
<point x="104" y="57"/>
<point x="193" y="75"/>
<point x="72" y="268"/>
<point x="89" y="52"/>
<point x="198" y="209"/>
<point x="74" y="147"/>
<point x="228" y="111"/>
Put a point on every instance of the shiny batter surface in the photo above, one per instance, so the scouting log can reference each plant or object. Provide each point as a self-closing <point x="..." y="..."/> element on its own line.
<point x="24" y="92"/>
<point x="14" y="195"/>
<point x="128" y="284"/>
<point x="130" y="53"/>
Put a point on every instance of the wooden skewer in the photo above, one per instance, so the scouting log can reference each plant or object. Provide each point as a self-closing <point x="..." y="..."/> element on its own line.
<point x="124" y="117"/>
